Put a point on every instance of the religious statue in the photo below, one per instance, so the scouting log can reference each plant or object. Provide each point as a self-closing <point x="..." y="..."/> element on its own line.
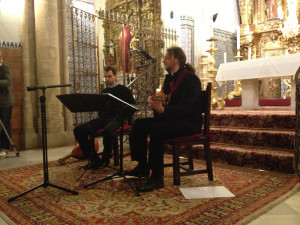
<point x="271" y="10"/>
<point x="273" y="13"/>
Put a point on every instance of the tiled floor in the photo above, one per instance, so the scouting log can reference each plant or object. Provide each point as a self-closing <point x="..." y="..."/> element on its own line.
<point x="287" y="213"/>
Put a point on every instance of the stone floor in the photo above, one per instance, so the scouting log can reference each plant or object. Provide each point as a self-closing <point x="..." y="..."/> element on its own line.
<point x="287" y="212"/>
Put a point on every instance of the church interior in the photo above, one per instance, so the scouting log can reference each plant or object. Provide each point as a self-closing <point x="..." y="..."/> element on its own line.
<point x="249" y="50"/>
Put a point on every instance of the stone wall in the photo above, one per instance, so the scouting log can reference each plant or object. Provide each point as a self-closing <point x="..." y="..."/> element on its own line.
<point x="226" y="42"/>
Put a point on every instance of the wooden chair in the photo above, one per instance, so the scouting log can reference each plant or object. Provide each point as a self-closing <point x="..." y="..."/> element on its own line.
<point x="115" y="149"/>
<point x="186" y="143"/>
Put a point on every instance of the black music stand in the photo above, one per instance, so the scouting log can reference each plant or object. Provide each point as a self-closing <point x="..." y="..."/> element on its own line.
<point x="94" y="102"/>
<point x="77" y="103"/>
<point x="46" y="182"/>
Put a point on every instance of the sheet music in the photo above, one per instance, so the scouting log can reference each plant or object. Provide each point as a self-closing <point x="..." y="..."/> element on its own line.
<point x="91" y="102"/>
<point x="206" y="192"/>
<point x="131" y="106"/>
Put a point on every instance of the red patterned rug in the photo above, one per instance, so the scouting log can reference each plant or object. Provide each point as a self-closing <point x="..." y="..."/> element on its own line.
<point x="113" y="201"/>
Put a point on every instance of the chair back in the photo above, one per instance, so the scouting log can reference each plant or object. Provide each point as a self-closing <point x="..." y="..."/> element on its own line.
<point x="206" y="103"/>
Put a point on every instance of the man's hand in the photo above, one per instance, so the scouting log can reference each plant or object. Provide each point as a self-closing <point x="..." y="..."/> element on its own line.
<point x="156" y="105"/>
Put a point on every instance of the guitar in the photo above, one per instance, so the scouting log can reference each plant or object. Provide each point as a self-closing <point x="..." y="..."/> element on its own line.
<point x="160" y="96"/>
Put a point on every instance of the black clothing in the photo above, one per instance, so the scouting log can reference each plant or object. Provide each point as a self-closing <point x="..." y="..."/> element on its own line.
<point x="7" y="101"/>
<point x="6" y="87"/>
<point x="107" y="120"/>
<point x="182" y="116"/>
<point x="5" y="116"/>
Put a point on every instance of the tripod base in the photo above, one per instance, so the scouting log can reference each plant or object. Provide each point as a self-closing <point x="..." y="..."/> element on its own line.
<point x="118" y="174"/>
<point x="83" y="167"/>
<point x="45" y="184"/>
<point x="9" y="139"/>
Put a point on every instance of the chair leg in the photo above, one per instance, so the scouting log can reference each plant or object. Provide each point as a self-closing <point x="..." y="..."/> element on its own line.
<point x="176" y="166"/>
<point x="116" y="151"/>
<point x="190" y="157"/>
<point x="208" y="161"/>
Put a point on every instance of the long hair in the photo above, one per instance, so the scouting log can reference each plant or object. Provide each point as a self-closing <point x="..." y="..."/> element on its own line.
<point x="179" y="54"/>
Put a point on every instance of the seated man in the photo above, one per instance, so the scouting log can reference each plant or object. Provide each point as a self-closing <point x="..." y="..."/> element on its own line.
<point x="180" y="117"/>
<point x="107" y="119"/>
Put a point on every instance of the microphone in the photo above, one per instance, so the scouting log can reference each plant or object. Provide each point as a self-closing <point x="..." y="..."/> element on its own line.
<point x="33" y="88"/>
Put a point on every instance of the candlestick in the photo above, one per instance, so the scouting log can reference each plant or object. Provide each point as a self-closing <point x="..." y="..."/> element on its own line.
<point x="225" y="57"/>
<point x="237" y="84"/>
<point x="216" y="102"/>
<point x="211" y="30"/>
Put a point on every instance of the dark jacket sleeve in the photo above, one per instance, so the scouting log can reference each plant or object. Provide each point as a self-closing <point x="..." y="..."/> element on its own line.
<point x="184" y="100"/>
<point x="129" y="96"/>
<point x="6" y="77"/>
<point x="6" y="87"/>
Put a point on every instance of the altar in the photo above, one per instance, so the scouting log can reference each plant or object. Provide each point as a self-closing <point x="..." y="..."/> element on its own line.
<point x="248" y="72"/>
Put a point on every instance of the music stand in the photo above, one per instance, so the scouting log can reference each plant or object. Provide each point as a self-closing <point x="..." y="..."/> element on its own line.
<point x="77" y="103"/>
<point x="46" y="182"/>
<point x="94" y="102"/>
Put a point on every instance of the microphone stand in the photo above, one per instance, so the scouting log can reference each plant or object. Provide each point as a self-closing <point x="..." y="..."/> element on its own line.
<point x="46" y="182"/>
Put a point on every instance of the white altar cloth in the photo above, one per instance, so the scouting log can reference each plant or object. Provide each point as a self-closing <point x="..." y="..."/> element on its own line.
<point x="276" y="66"/>
<point x="249" y="72"/>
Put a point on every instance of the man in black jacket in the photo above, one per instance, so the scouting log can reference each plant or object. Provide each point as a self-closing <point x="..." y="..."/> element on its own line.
<point x="107" y="119"/>
<point x="180" y="117"/>
<point x="6" y="104"/>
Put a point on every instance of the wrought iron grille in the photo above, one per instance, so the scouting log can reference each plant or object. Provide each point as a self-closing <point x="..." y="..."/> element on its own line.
<point x="145" y="82"/>
<point x="83" y="54"/>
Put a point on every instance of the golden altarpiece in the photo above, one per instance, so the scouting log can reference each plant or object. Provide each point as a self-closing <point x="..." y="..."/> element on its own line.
<point x="269" y="28"/>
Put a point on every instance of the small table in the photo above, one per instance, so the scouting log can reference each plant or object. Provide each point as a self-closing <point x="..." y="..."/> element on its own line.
<point x="250" y="71"/>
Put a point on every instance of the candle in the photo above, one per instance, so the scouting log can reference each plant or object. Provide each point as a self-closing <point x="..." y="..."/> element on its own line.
<point x="225" y="57"/>
<point x="211" y="30"/>
<point x="249" y="53"/>
<point x="238" y="37"/>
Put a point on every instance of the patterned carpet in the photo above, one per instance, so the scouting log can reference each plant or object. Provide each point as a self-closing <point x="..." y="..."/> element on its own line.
<point x="113" y="201"/>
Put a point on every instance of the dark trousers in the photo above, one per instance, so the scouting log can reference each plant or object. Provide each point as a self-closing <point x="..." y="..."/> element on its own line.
<point x="84" y="134"/>
<point x="159" y="130"/>
<point x="5" y="116"/>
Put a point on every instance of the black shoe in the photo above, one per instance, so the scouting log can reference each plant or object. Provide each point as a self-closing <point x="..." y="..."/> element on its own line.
<point x="138" y="171"/>
<point x="103" y="163"/>
<point x="151" y="184"/>
<point x="99" y="164"/>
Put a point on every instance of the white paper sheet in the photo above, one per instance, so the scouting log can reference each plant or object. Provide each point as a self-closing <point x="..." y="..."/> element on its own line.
<point x="206" y="192"/>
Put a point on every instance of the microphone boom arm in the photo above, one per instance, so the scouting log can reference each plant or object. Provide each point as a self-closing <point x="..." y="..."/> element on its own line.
<point x="33" y="88"/>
